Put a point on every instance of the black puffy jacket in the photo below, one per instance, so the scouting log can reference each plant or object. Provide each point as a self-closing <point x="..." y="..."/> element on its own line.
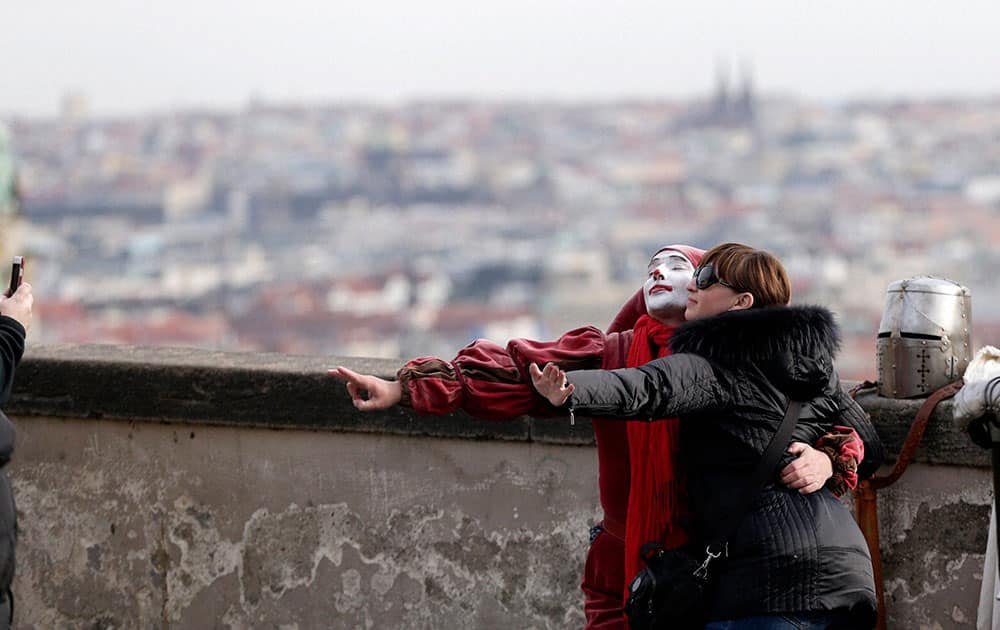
<point x="729" y="379"/>
<point x="11" y="349"/>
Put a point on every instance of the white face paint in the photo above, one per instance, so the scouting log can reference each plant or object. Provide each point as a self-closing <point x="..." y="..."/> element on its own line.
<point x="665" y="289"/>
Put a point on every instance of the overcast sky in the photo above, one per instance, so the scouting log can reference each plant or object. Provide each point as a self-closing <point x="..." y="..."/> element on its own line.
<point x="133" y="56"/>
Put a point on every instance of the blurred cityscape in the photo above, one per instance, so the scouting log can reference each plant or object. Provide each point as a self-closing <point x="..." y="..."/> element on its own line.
<point x="396" y="231"/>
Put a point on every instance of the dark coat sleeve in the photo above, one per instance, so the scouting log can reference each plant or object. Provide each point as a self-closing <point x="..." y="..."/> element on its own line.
<point x="835" y="408"/>
<point x="663" y="388"/>
<point x="850" y="414"/>
<point x="11" y="349"/>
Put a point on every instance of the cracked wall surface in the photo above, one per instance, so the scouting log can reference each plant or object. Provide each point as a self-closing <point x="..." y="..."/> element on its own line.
<point x="933" y="524"/>
<point x="163" y="526"/>
<point x="149" y="525"/>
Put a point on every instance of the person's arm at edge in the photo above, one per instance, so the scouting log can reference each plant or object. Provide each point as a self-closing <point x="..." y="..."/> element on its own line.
<point x="12" y="335"/>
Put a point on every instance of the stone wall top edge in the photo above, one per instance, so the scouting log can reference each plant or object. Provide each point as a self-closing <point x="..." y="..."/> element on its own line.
<point x="186" y="385"/>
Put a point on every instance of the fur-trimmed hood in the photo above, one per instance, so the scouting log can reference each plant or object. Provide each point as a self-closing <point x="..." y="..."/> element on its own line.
<point x="793" y="345"/>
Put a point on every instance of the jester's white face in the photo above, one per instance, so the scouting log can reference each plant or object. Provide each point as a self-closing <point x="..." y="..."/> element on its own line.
<point x="665" y="289"/>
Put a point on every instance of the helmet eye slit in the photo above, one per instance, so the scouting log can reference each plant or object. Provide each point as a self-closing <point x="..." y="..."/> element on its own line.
<point x="910" y="335"/>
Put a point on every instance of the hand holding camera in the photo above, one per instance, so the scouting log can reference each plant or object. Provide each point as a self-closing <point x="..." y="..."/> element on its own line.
<point x="17" y="301"/>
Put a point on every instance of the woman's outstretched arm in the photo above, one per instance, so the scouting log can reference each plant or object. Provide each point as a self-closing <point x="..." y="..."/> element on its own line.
<point x="663" y="388"/>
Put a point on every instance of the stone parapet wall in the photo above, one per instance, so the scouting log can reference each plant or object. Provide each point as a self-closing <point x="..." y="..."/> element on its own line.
<point x="154" y="492"/>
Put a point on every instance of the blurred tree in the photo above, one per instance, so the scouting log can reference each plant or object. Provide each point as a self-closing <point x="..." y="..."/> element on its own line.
<point x="10" y="196"/>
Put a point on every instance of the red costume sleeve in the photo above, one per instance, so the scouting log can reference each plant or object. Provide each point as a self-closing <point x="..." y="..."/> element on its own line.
<point x="844" y="447"/>
<point x="490" y="381"/>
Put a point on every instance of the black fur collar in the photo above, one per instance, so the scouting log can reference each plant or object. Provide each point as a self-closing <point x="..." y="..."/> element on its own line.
<point x="793" y="344"/>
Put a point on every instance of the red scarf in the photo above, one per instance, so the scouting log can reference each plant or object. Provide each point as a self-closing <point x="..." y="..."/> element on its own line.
<point x="656" y="497"/>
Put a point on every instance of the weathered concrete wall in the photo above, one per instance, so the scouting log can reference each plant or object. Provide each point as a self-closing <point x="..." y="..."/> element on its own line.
<point x="156" y="526"/>
<point x="152" y="494"/>
<point x="934" y="521"/>
<point x="933" y="524"/>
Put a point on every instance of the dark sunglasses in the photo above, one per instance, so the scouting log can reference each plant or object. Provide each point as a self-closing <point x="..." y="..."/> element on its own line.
<point x="704" y="277"/>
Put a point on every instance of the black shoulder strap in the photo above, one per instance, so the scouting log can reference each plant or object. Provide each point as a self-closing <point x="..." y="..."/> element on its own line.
<point x="777" y="446"/>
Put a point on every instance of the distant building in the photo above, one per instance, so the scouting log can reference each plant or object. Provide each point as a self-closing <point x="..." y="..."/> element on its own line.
<point x="730" y="105"/>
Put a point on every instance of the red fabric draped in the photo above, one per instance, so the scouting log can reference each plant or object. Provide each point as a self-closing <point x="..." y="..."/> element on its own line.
<point x="656" y="497"/>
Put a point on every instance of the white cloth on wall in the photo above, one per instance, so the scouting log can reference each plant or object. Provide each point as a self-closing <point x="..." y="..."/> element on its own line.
<point x="970" y="403"/>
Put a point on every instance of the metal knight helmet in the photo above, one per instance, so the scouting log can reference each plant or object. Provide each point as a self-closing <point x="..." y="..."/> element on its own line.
<point x="923" y="341"/>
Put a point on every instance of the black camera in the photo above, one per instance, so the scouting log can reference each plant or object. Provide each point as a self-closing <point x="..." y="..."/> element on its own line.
<point x="16" y="275"/>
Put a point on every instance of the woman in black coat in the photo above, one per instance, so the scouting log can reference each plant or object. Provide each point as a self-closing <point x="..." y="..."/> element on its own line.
<point x="795" y="558"/>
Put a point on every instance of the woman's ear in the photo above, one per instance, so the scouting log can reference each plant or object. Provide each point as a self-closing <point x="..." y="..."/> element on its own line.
<point x="743" y="301"/>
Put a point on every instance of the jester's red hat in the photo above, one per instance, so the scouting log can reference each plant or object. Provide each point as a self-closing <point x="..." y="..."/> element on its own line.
<point x="691" y="253"/>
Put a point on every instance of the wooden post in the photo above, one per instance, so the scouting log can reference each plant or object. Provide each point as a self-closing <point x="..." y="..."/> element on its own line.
<point x="866" y="507"/>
